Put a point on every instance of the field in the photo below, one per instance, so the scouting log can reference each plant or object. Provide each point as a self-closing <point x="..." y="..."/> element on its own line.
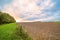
<point x="42" y="30"/>
<point x="6" y="31"/>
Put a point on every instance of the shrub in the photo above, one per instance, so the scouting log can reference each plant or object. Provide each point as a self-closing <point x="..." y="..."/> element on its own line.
<point x="20" y="32"/>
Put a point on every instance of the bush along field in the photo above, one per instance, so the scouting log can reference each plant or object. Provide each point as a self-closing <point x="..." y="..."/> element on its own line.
<point x="20" y="34"/>
<point x="9" y="30"/>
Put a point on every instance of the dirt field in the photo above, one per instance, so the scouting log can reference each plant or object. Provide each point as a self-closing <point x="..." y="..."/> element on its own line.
<point x="42" y="31"/>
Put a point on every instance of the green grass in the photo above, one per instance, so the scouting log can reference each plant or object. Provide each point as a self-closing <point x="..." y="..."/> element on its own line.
<point x="6" y="31"/>
<point x="13" y="32"/>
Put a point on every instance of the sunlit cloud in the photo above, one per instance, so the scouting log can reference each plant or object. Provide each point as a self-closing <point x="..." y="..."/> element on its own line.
<point x="30" y="10"/>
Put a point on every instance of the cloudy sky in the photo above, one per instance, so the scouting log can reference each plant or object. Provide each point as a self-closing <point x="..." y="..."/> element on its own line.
<point x="32" y="10"/>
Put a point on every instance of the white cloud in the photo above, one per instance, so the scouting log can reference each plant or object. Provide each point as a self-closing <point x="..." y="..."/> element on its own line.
<point x="28" y="8"/>
<point x="51" y="18"/>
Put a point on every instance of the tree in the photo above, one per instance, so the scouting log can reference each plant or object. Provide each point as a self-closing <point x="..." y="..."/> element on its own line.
<point x="6" y="18"/>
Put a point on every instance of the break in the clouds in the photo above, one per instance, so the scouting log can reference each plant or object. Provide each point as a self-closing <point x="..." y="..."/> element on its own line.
<point x="32" y="10"/>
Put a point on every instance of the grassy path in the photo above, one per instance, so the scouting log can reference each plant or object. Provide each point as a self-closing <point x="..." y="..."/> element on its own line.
<point x="6" y="31"/>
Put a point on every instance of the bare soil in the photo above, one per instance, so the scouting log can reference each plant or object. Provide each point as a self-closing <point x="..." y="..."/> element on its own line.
<point x="42" y="30"/>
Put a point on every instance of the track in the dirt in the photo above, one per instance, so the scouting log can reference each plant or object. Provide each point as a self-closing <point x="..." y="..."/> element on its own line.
<point x="42" y="31"/>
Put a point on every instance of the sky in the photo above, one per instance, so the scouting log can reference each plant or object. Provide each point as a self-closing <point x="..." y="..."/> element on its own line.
<point x="32" y="10"/>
